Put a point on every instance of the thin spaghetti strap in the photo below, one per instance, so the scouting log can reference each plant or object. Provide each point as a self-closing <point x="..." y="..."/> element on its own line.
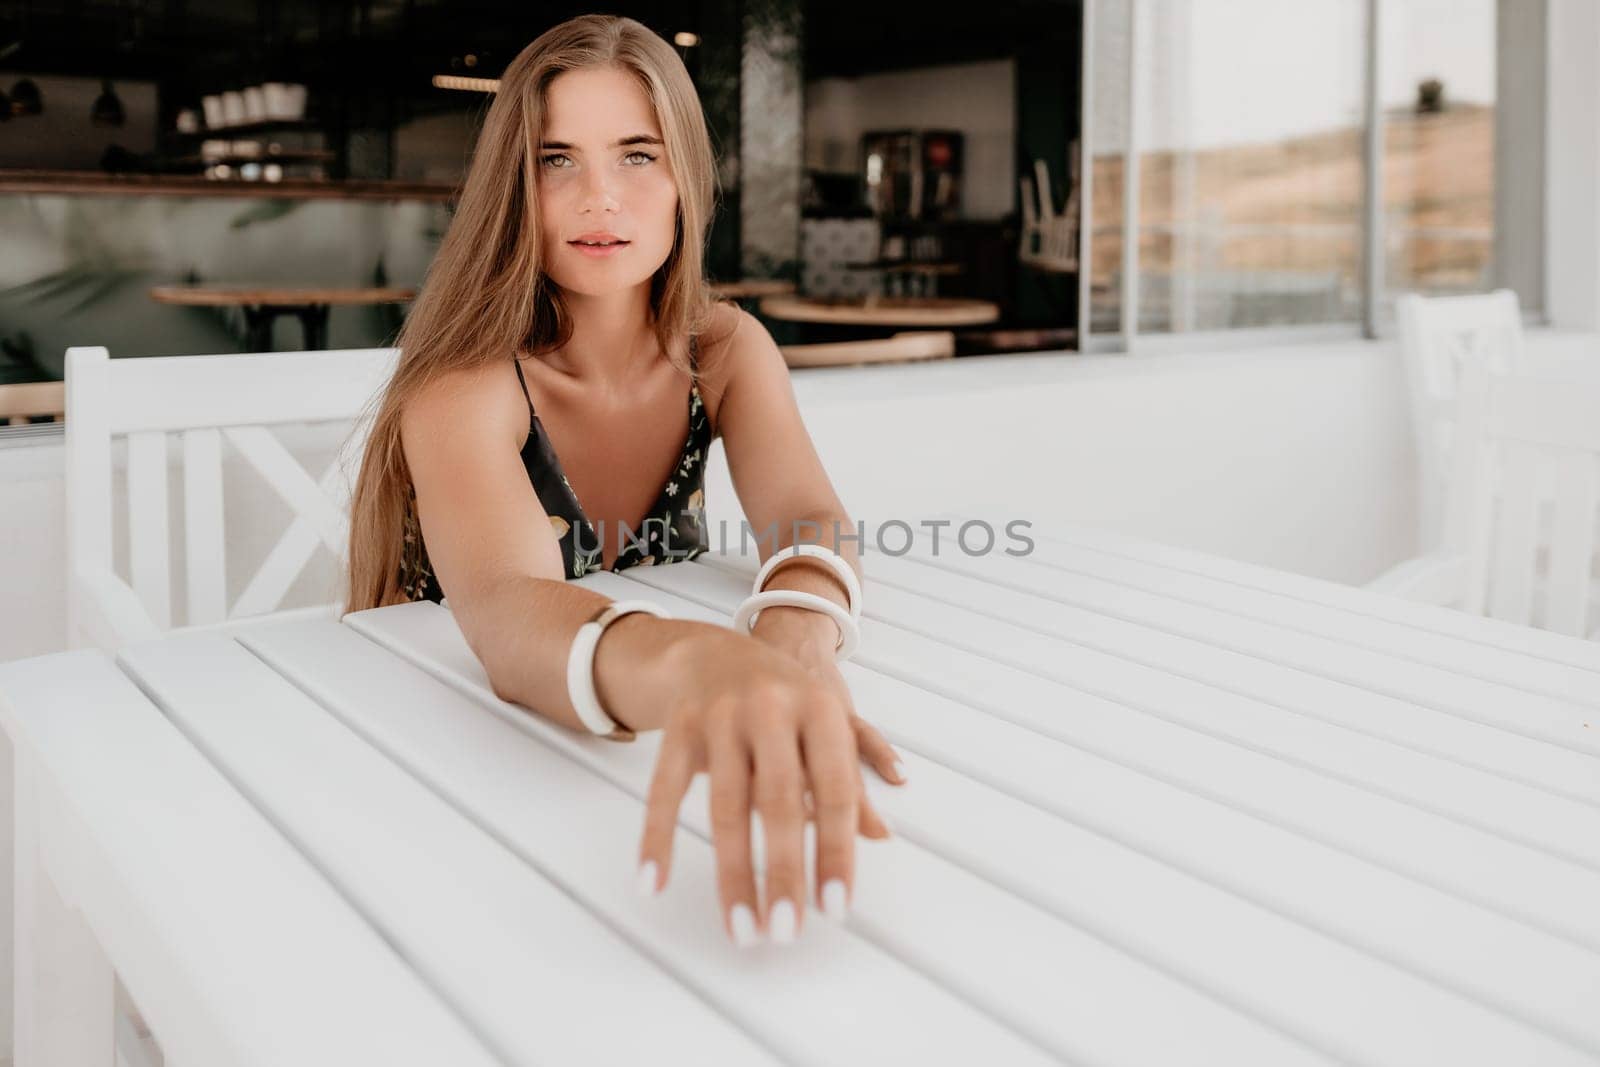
<point x="694" y="368"/>
<point x="517" y="363"/>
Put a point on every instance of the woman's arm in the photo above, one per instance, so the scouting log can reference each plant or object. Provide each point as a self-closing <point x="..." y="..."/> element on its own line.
<point x="752" y="717"/>
<point x="788" y="498"/>
<point x="781" y="483"/>
<point x="498" y="560"/>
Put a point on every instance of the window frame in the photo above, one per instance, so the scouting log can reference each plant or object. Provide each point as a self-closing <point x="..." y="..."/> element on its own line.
<point x="1376" y="320"/>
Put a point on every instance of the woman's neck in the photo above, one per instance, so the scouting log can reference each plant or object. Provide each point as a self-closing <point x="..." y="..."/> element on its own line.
<point x="612" y="338"/>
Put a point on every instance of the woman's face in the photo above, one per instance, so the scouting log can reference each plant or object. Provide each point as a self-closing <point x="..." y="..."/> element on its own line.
<point x="603" y="175"/>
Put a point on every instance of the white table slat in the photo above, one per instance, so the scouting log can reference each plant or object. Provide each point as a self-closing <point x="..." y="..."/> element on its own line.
<point x="1533" y="715"/>
<point x="1192" y="654"/>
<point x="200" y="902"/>
<point x="1492" y="634"/>
<point x="1162" y="809"/>
<point x="1139" y="668"/>
<point x="1532" y="884"/>
<point x="1209" y="832"/>
<point x="515" y="954"/>
<point x="1310" y="983"/>
<point x="1049" y="980"/>
<point x="828" y="998"/>
<point x="1474" y="659"/>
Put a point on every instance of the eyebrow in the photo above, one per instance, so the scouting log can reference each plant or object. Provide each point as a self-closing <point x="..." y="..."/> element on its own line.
<point x="638" y="138"/>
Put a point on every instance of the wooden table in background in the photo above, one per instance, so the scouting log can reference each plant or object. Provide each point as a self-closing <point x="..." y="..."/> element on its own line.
<point x="749" y="288"/>
<point x="930" y="312"/>
<point x="23" y="400"/>
<point x="262" y="304"/>
<point x="1161" y="808"/>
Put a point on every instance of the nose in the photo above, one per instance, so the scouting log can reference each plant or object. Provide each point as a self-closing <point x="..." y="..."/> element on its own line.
<point x="597" y="192"/>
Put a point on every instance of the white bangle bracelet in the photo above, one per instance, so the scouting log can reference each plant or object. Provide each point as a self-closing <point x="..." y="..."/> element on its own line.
<point x="580" y="667"/>
<point x="834" y="561"/>
<point x="849" y="630"/>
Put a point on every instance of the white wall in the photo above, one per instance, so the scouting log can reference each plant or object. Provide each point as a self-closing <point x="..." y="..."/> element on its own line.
<point x="978" y="99"/>
<point x="1298" y="458"/>
<point x="1293" y="458"/>
<point x="1572" y="166"/>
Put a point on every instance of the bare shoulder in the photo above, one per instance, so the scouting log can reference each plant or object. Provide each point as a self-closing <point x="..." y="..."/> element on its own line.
<point x="733" y="330"/>
<point x="733" y="345"/>
<point x="479" y="405"/>
<point x="481" y="518"/>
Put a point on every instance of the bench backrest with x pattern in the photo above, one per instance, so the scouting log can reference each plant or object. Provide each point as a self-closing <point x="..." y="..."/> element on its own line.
<point x="205" y="405"/>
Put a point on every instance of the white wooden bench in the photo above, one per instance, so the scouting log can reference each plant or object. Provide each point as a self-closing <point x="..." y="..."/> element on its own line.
<point x="200" y="407"/>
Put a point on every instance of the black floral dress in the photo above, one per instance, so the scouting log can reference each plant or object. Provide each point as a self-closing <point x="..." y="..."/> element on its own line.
<point x="673" y="531"/>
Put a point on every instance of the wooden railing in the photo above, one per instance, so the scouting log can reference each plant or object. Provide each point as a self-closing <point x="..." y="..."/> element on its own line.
<point x="18" y="402"/>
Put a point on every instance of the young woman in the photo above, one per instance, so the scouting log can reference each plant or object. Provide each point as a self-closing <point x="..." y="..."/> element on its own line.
<point x="563" y="374"/>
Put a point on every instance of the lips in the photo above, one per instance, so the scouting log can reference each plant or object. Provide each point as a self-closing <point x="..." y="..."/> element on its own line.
<point x="597" y="240"/>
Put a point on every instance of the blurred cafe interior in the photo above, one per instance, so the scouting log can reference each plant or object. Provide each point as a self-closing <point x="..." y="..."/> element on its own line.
<point x="932" y="199"/>
<point x="275" y="175"/>
<point x="897" y="182"/>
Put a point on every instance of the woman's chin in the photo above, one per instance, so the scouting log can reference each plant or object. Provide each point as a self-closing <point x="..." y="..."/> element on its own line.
<point x="598" y="281"/>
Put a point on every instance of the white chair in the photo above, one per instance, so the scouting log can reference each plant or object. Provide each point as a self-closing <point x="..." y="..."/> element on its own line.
<point x="207" y="404"/>
<point x="1439" y="337"/>
<point x="1049" y="238"/>
<point x="1516" y="440"/>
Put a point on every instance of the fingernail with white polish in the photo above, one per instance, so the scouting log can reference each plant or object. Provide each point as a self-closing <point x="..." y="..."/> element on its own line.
<point x="647" y="879"/>
<point x="743" y="921"/>
<point x="833" y="900"/>
<point x="900" y="770"/>
<point x="780" y="923"/>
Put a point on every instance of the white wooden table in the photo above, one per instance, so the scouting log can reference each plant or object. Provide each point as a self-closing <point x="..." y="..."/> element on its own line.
<point x="1162" y="808"/>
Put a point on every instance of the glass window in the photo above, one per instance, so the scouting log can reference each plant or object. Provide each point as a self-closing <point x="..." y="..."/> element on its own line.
<point x="1249" y="126"/>
<point x="1249" y="122"/>
<point x="1438" y="96"/>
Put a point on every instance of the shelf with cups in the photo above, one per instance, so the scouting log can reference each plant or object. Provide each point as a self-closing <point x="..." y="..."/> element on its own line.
<point x="93" y="183"/>
<point x="236" y="110"/>
<point x="234" y="136"/>
<point x="250" y="151"/>
<point x="244" y="167"/>
<point x="248" y="129"/>
<point x="197" y="162"/>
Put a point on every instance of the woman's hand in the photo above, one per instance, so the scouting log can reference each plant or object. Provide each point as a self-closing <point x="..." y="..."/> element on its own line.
<point x="810" y="637"/>
<point x="766" y="729"/>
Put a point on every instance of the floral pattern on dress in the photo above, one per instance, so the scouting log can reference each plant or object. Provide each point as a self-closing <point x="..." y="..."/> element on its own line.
<point x="672" y="531"/>
<point x="415" y="571"/>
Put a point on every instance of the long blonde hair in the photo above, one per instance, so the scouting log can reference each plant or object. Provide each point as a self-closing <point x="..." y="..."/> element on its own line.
<point x="486" y="295"/>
